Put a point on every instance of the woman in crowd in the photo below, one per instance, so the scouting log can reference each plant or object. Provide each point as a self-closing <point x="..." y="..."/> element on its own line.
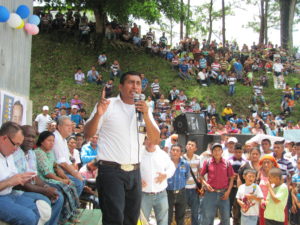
<point x="51" y="173"/>
<point x="253" y="163"/>
<point x="266" y="162"/>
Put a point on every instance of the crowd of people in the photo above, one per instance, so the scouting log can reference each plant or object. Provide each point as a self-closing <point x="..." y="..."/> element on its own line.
<point x="52" y="166"/>
<point x="57" y="168"/>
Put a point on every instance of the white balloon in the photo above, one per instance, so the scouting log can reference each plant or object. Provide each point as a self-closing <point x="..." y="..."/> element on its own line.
<point x="14" y="20"/>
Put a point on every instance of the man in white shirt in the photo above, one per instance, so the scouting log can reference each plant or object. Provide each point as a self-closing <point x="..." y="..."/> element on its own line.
<point x="156" y="168"/>
<point x="120" y="139"/>
<point x="16" y="207"/>
<point x="61" y="152"/>
<point x="42" y="120"/>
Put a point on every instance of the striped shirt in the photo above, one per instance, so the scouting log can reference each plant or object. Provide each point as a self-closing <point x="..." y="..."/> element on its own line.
<point x="180" y="177"/>
<point x="155" y="87"/>
<point x="285" y="166"/>
<point x="195" y="165"/>
<point x="231" y="80"/>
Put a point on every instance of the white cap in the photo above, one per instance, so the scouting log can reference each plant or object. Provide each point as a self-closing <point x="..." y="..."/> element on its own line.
<point x="74" y="107"/>
<point x="232" y="139"/>
<point x="45" y="107"/>
<point x="228" y="105"/>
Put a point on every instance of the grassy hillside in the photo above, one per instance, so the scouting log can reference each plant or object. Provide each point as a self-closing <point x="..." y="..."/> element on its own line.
<point x="54" y="64"/>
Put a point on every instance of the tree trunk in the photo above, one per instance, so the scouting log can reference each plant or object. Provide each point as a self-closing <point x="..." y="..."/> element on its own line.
<point x="291" y="22"/>
<point x="181" y="20"/>
<point x="210" y="21"/>
<point x="266" y="21"/>
<point x="100" y="21"/>
<point x="171" y="31"/>
<point x="262" y="22"/>
<point x="287" y="11"/>
<point x="187" y="21"/>
<point x="223" y="23"/>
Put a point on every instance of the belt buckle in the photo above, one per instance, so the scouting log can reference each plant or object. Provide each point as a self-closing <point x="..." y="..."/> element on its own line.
<point x="127" y="167"/>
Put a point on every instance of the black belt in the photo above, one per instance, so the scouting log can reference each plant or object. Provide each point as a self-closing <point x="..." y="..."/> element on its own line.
<point x="124" y="167"/>
<point x="153" y="193"/>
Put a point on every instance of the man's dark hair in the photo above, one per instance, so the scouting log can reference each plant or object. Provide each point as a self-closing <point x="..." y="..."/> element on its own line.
<point x="10" y="129"/>
<point x="268" y="140"/>
<point x="129" y="73"/>
<point x="82" y="110"/>
<point x="297" y="144"/>
<point x="78" y="135"/>
<point x="177" y="145"/>
<point x="279" y="142"/>
<point x="238" y="146"/>
<point x="194" y="141"/>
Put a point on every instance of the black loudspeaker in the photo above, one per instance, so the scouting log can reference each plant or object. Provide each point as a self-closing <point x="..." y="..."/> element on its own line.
<point x="190" y="123"/>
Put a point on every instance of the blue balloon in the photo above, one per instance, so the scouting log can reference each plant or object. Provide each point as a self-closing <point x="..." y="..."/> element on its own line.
<point x="34" y="19"/>
<point x="23" y="11"/>
<point x="4" y="14"/>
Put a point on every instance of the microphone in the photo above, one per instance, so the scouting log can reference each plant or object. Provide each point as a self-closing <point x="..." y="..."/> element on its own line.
<point x="139" y="97"/>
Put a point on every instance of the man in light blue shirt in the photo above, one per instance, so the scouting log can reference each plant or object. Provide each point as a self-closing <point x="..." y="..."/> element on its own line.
<point x="89" y="150"/>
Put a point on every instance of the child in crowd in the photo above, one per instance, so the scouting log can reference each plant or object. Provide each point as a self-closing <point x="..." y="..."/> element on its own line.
<point x="277" y="198"/>
<point x="236" y="162"/>
<point x="249" y="196"/>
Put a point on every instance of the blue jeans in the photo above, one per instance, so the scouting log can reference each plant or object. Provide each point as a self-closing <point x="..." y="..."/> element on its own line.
<point x="192" y="199"/>
<point x="55" y="206"/>
<point x="231" y="90"/>
<point x="78" y="184"/>
<point x="211" y="202"/>
<point x="159" y="202"/>
<point x="18" y="209"/>
<point x="248" y="220"/>
<point x="201" y="211"/>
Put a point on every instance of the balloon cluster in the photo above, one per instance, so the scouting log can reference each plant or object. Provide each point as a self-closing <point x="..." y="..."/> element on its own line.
<point x="16" y="20"/>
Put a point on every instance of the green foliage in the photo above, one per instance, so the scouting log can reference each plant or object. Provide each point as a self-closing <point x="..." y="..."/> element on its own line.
<point x="200" y="24"/>
<point x="150" y="10"/>
<point x="53" y="67"/>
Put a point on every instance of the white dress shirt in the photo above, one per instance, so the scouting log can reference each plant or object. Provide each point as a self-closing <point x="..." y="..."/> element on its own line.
<point x="117" y="130"/>
<point x="153" y="163"/>
<point x="61" y="149"/>
<point x="7" y="170"/>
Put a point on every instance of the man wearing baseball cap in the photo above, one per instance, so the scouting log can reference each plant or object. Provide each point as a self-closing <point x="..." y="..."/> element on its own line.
<point x="42" y="120"/>
<point x="229" y="152"/>
<point x="220" y="176"/>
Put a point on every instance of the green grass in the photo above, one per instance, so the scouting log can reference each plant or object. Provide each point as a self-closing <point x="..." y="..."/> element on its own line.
<point x="54" y="63"/>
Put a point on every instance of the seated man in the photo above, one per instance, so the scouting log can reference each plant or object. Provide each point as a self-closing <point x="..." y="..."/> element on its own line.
<point x="61" y="152"/>
<point x="25" y="161"/>
<point x="63" y="104"/>
<point x="92" y="75"/>
<point x="89" y="150"/>
<point x="183" y="71"/>
<point x="16" y="207"/>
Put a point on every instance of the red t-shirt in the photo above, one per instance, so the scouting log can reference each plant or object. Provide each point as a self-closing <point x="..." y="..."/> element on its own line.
<point x="218" y="174"/>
